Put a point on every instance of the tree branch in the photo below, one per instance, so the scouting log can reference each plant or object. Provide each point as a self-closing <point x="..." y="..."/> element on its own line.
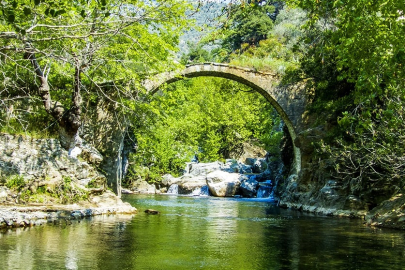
<point x="55" y="109"/>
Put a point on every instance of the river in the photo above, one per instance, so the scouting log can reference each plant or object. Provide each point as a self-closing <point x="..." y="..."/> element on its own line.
<point x="204" y="233"/>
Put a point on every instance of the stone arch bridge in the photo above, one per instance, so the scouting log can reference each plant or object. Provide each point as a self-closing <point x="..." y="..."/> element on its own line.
<point x="289" y="100"/>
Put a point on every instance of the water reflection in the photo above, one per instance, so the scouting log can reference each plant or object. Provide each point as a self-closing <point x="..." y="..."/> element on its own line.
<point x="204" y="233"/>
<point x="75" y="246"/>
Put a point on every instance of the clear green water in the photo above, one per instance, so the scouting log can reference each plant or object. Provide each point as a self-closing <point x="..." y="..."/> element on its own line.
<point x="204" y="233"/>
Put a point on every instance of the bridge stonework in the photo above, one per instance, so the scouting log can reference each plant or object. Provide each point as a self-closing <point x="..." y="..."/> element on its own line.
<point x="289" y="100"/>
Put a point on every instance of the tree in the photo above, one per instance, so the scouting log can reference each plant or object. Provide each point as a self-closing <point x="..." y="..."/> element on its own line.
<point x="281" y="50"/>
<point x="209" y="116"/>
<point x="247" y="24"/>
<point x="197" y="54"/>
<point x="54" y="49"/>
<point x="366" y="37"/>
<point x="357" y="60"/>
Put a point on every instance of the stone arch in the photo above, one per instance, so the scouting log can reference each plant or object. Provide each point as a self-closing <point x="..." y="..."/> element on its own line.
<point x="289" y="101"/>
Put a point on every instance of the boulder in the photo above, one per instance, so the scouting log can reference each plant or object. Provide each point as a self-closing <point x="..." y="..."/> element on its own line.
<point x="241" y="168"/>
<point x="234" y="166"/>
<point x="190" y="183"/>
<point x="248" y="187"/>
<point x="249" y="150"/>
<point x="143" y="187"/>
<point x="260" y="165"/>
<point x="126" y="191"/>
<point x="223" y="184"/>
<point x="91" y="154"/>
<point x="168" y="180"/>
<point x="3" y="194"/>
<point x="231" y="165"/>
<point x="390" y="213"/>
<point x="202" y="168"/>
<point x="250" y="161"/>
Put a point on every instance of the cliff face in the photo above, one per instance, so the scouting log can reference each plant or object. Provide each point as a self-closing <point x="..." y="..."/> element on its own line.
<point x="43" y="166"/>
<point x="106" y="129"/>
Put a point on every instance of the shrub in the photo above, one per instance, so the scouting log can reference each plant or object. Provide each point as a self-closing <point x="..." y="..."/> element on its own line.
<point x="15" y="182"/>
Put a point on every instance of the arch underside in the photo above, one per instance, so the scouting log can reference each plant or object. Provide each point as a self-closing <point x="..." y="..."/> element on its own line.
<point x="221" y="74"/>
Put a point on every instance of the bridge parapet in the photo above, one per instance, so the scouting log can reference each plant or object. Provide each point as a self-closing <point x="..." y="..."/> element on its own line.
<point x="243" y="75"/>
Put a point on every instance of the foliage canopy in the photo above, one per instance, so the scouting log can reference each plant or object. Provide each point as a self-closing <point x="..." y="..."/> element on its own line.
<point x="208" y="117"/>
<point x="65" y="51"/>
<point x="356" y="62"/>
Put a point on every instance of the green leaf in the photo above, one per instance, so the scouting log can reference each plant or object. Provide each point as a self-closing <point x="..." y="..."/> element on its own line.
<point x="11" y="18"/>
<point x="37" y="2"/>
<point x="60" y="12"/>
<point x="27" y="11"/>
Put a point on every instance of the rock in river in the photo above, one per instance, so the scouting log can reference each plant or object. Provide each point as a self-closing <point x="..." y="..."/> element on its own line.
<point x="249" y="187"/>
<point x="151" y="211"/>
<point x="223" y="184"/>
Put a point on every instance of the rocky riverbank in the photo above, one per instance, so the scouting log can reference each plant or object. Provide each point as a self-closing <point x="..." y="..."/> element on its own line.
<point x="18" y="215"/>
<point x="40" y="183"/>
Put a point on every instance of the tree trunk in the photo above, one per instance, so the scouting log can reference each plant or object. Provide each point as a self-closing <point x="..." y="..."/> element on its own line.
<point x="69" y="120"/>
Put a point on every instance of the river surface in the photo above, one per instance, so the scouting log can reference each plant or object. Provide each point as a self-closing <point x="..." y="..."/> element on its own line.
<point x="204" y="233"/>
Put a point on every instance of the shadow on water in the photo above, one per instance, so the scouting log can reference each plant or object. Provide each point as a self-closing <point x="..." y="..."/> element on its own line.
<point x="204" y="233"/>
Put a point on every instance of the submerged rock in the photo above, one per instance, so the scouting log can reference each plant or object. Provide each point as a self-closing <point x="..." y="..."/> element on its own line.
<point x="152" y="211"/>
